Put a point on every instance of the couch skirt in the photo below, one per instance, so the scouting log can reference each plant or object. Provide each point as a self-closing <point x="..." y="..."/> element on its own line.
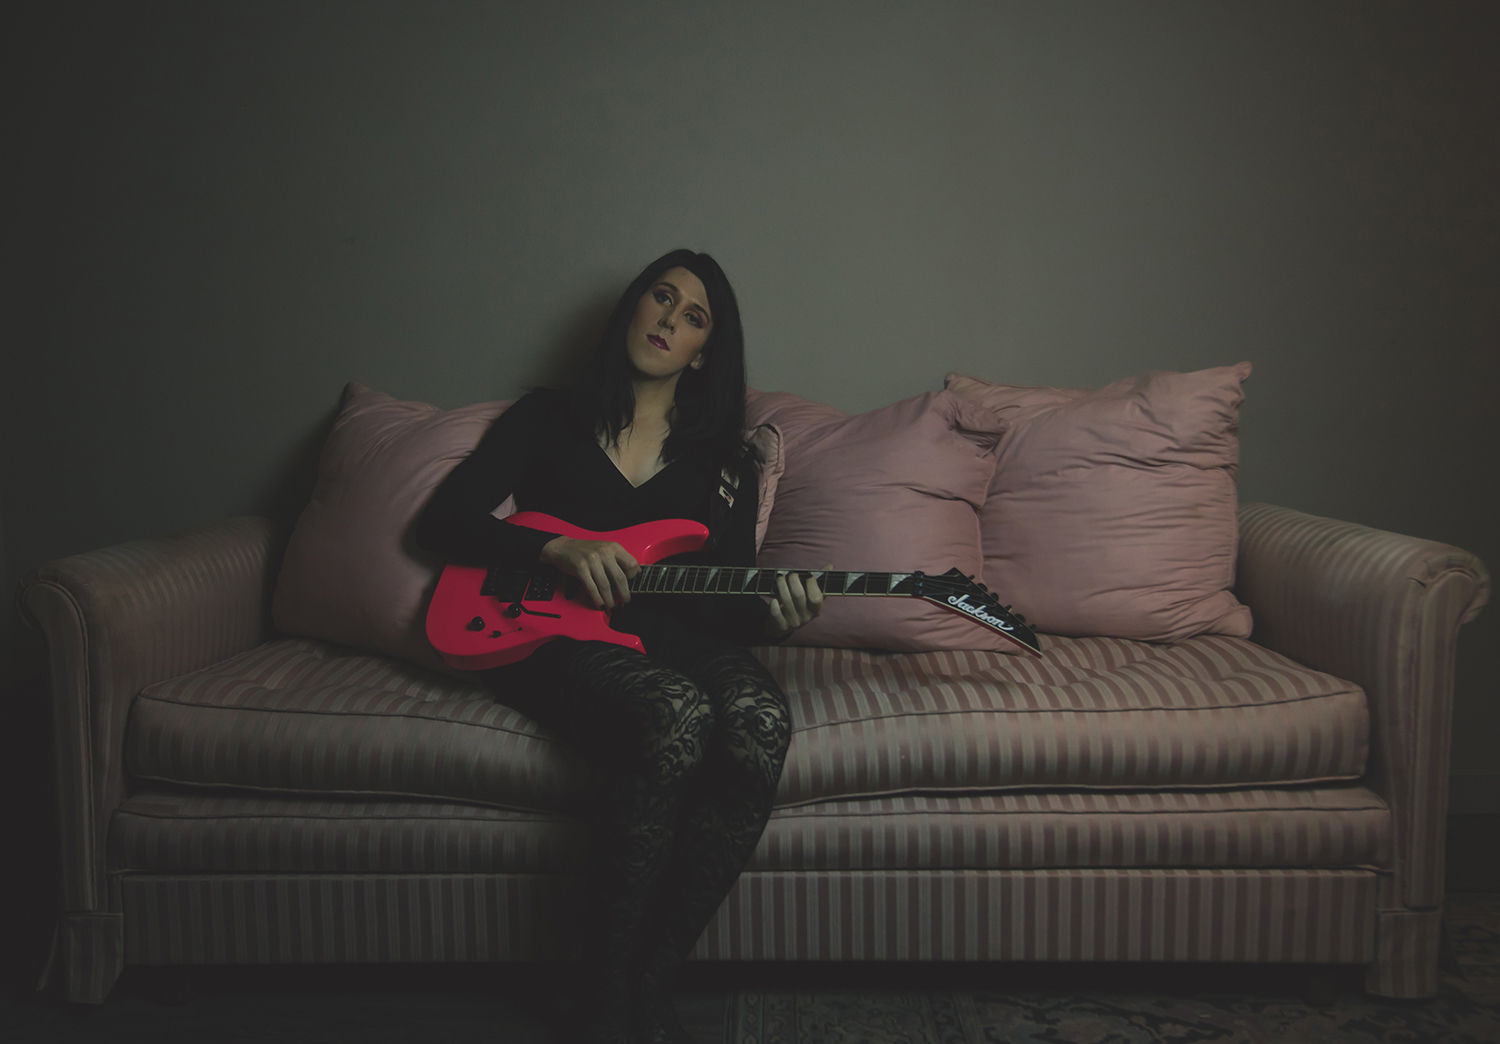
<point x="1312" y="916"/>
<point x="1301" y="916"/>
<point x="1289" y="875"/>
<point x="1318" y="916"/>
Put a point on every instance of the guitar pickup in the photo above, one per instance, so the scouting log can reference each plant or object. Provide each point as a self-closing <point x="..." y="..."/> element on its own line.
<point x="507" y="585"/>
<point x="541" y="589"/>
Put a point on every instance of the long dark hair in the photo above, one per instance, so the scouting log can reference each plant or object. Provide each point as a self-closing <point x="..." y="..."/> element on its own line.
<point x="709" y="419"/>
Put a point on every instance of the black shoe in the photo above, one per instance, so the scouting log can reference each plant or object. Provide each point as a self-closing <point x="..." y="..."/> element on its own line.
<point x="596" y="1031"/>
<point x="656" y="1020"/>
<point x="599" y="1019"/>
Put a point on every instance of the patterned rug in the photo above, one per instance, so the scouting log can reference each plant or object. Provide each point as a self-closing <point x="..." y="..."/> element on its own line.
<point x="1138" y="1006"/>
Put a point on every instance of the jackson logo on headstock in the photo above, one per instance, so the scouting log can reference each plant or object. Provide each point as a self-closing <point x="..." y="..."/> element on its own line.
<point x="962" y="604"/>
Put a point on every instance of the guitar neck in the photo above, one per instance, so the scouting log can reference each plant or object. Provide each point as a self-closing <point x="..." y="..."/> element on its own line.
<point x="708" y="579"/>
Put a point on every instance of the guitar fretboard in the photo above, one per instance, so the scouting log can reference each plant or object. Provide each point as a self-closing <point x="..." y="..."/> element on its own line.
<point x="708" y="579"/>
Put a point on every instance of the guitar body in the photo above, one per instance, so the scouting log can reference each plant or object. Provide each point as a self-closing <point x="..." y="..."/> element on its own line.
<point x="541" y="605"/>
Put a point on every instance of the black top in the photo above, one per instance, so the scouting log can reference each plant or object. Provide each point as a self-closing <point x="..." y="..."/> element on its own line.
<point x="539" y="452"/>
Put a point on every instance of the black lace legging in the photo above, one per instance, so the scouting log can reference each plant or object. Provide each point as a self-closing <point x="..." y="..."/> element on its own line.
<point x="691" y="740"/>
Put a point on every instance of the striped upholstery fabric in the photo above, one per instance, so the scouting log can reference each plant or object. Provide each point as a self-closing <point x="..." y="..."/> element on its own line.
<point x="1406" y="963"/>
<point x="1048" y="915"/>
<point x="1382" y="610"/>
<point x="91" y="949"/>
<point x="117" y="620"/>
<point x="212" y="833"/>
<point x="339" y="918"/>
<point x="1101" y="914"/>
<point x="304" y="716"/>
<point x="1333" y="827"/>
<point x="1094" y="712"/>
<point x="301" y="716"/>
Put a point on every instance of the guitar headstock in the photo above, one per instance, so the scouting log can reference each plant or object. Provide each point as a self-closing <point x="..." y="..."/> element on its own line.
<point x="959" y="593"/>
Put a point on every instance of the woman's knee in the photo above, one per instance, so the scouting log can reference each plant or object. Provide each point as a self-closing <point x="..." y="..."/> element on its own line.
<point x="672" y="725"/>
<point x="751" y="739"/>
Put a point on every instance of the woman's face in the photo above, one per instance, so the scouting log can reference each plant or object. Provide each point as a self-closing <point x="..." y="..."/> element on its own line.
<point x="670" y="327"/>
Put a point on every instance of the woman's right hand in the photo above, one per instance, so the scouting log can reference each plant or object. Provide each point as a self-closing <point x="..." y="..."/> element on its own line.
<point x="602" y="566"/>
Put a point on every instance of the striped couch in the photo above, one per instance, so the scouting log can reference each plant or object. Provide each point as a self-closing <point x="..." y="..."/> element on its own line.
<point x="229" y="795"/>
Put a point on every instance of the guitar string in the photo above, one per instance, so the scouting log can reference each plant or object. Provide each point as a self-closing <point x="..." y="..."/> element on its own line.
<point x="698" y="579"/>
<point x="704" y="579"/>
<point x="658" y="579"/>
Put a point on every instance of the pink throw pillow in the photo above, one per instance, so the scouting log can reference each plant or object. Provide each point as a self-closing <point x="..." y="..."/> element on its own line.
<point x="894" y="490"/>
<point x="1113" y="512"/>
<point x="352" y="574"/>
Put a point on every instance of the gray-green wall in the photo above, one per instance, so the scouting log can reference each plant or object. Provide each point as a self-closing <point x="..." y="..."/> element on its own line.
<point x="224" y="211"/>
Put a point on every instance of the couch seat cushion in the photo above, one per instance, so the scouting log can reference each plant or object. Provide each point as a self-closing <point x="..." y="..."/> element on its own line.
<point x="304" y="716"/>
<point x="175" y="832"/>
<point x="1096" y="713"/>
<point x="300" y="716"/>
<point x="1296" y="827"/>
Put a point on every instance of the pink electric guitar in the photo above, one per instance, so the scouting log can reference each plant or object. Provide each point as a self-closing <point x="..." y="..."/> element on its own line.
<point x="483" y="618"/>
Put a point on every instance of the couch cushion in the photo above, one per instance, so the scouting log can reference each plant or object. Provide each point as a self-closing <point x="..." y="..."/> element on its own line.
<point x="1113" y="511"/>
<point x="893" y="490"/>
<point x="1095" y="713"/>
<point x="299" y="716"/>
<point x="1331" y="826"/>
<point x="209" y="832"/>
<point x="166" y="832"/>
<point x="351" y="573"/>
<point x="303" y="716"/>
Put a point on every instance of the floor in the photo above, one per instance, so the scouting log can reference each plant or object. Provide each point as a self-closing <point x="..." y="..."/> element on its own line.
<point x="520" y="1004"/>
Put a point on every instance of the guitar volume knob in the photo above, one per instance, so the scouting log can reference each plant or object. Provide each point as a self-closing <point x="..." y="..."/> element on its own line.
<point x="476" y="624"/>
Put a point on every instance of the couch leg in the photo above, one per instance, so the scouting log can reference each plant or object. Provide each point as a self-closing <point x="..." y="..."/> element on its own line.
<point x="91" y="952"/>
<point x="1407" y="945"/>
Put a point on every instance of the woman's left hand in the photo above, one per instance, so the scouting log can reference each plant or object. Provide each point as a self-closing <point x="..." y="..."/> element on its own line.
<point x="795" y="603"/>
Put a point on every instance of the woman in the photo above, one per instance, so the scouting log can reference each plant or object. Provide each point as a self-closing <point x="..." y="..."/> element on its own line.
<point x="692" y="735"/>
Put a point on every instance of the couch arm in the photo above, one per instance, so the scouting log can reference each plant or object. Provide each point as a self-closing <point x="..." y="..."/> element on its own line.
<point x="116" y="621"/>
<point x="1381" y="610"/>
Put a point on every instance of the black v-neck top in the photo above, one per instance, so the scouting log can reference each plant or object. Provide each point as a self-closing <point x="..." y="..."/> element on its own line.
<point x="539" y="452"/>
